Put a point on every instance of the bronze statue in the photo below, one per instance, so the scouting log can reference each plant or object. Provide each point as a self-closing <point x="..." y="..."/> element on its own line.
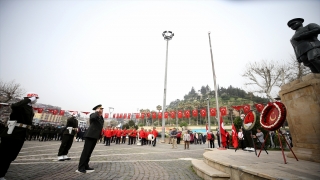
<point x="306" y="44"/>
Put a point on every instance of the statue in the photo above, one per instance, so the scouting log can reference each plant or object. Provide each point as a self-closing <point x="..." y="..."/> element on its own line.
<point x="306" y="44"/>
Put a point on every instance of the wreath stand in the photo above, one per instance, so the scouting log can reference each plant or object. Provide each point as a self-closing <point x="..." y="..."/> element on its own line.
<point x="284" y="158"/>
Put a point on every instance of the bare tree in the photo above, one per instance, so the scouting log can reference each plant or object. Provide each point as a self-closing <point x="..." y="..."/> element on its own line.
<point x="266" y="75"/>
<point x="10" y="90"/>
<point x="296" y="70"/>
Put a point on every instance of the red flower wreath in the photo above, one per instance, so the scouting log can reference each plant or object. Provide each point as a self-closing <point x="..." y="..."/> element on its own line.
<point x="273" y="116"/>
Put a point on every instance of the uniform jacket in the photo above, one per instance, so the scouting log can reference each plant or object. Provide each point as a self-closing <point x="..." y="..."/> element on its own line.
<point x="22" y="113"/>
<point x="71" y="122"/>
<point x="96" y="125"/>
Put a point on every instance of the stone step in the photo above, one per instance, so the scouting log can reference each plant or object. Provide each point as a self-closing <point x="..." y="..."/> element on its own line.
<point x="207" y="172"/>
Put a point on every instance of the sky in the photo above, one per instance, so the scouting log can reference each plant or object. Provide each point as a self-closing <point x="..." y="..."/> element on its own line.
<point x="77" y="54"/>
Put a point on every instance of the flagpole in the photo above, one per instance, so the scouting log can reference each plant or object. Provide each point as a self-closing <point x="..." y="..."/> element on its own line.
<point x="215" y="87"/>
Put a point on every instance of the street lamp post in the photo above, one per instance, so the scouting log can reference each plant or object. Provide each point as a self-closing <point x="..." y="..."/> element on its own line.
<point x="167" y="36"/>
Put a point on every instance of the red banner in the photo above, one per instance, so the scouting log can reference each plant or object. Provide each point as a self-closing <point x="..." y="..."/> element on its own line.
<point x="54" y="112"/>
<point x="114" y="115"/>
<point x="61" y="113"/>
<point x="223" y="111"/>
<point x="194" y="113"/>
<point x="172" y="114"/>
<point x="246" y="108"/>
<point x="203" y="113"/>
<point x="223" y="133"/>
<point x="238" y="108"/>
<point x="106" y="115"/>
<point x="121" y="116"/>
<point x="117" y="115"/>
<point x="259" y="107"/>
<point x="124" y="115"/>
<point x="187" y="113"/>
<point x="180" y="114"/>
<point x="213" y="112"/>
<point x="166" y="114"/>
<point x="40" y="110"/>
<point x="154" y="115"/>
<point x="137" y="115"/>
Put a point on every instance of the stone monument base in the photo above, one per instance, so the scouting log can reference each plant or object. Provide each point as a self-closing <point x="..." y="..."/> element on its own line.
<point x="302" y="100"/>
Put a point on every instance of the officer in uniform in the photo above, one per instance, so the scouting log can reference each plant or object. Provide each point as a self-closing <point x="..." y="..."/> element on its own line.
<point x="13" y="137"/>
<point x="67" y="139"/>
<point x="306" y="44"/>
<point x="91" y="136"/>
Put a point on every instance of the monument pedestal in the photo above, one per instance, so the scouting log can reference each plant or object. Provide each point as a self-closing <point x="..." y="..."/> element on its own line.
<point x="302" y="100"/>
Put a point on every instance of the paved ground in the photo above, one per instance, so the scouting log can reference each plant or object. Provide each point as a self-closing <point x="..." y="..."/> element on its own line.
<point x="38" y="160"/>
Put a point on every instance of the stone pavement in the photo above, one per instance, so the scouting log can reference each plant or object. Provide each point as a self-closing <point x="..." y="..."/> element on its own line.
<point x="38" y="160"/>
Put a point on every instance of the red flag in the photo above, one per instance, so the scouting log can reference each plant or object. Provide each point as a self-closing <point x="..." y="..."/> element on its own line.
<point x="86" y="113"/>
<point x="117" y="115"/>
<point x="106" y="115"/>
<point x="194" y="113"/>
<point x="259" y="107"/>
<point x="203" y="113"/>
<point x="154" y="115"/>
<point x="148" y="115"/>
<point x="213" y="112"/>
<point x="234" y="136"/>
<point x="180" y="114"/>
<point x="187" y="113"/>
<point x="246" y="108"/>
<point x="159" y="115"/>
<point x="142" y="115"/>
<point x="40" y="110"/>
<point x="137" y="115"/>
<point x="114" y="115"/>
<point x="223" y="111"/>
<point x="172" y="114"/>
<point x="121" y="116"/>
<point x="238" y="108"/>
<point x="54" y="112"/>
<point x="223" y="133"/>
<point x="61" y="113"/>
<point x="166" y="114"/>
<point x="129" y="115"/>
<point x="124" y="115"/>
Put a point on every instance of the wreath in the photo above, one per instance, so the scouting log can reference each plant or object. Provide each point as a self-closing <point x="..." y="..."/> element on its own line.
<point x="273" y="116"/>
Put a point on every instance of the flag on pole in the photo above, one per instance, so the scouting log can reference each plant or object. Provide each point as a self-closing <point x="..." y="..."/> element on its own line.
<point x="129" y="115"/>
<point x="166" y="114"/>
<point x="194" y="113"/>
<point x="159" y="115"/>
<point x="179" y="114"/>
<point x="223" y="133"/>
<point x="223" y="111"/>
<point x="234" y="137"/>
<point x="203" y="112"/>
<point x="172" y="114"/>
<point x="213" y="112"/>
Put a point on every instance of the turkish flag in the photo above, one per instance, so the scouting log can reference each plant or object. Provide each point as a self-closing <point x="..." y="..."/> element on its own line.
<point x="148" y="115"/>
<point x="117" y="115"/>
<point x="154" y="115"/>
<point x="114" y="115"/>
<point x="129" y="115"/>
<point x="106" y="115"/>
<point x="166" y="114"/>
<point x="54" y="112"/>
<point x="121" y="115"/>
<point x="180" y="114"/>
<point x="223" y="133"/>
<point x="86" y="113"/>
<point x="238" y="108"/>
<point x="124" y="115"/>
<point x="213" y="112"/>
<point x="246" y="108"/>
<point x="159" y="115"/>
<point x="234" y="136"/>
<point x="61" y="113"/>
<point x="172" y="114"/>
<point x="259" y="107"/>
<point x="137" y="115"/>
<point x="40" y="110"/>
<point x="194" y="113"/>
<point x="223" y="111"/>
<point x="203" y="113"/>
<point x="142" y="115"/>
<point x="187" y="113"/>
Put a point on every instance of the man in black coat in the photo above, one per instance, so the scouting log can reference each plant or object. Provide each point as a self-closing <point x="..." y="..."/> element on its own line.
<point x="91" y="136"/>
<point x="67" y="139"/>
<point x="13" y="137"/>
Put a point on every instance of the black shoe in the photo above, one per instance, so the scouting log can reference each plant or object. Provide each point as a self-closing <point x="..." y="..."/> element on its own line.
<point x="81" y="171"/>
<point x="89" y="169"/>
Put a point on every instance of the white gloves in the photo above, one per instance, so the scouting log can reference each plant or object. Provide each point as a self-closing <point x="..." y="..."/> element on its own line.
<point x="33" y="100"/>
